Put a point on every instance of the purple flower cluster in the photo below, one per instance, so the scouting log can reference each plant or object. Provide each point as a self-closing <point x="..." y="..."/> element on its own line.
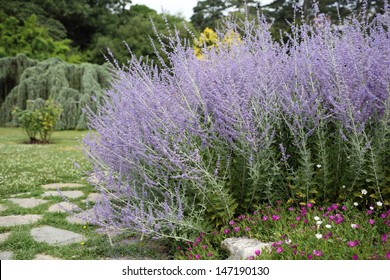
<point x="164" y="140"/>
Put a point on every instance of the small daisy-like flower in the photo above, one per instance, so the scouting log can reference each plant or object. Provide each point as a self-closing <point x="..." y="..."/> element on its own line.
<point x="371" y="208"/>
<point x="319" y="223"/>
<point x="328" y="226"/>
<point x="355" y="226"/>
<point x="226" y="231"/>
<point x="343" y="186"/>
<point x="275" y="217"/>
<point x="355" y="203"/>
<point x="353" y="243"/>
<point x="279" y="250"/>
<point x="318" y="165"/>
<point x="319" y="235"/>
<point x="317" y="253"/>
<point x="379" y="203"/>
<point x="288" y="241"/>
<point x="317" y="218"/>
<point x="364" y="191"/>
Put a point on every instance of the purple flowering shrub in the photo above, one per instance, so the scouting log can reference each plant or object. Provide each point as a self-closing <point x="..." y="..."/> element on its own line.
<point x="181" y="149"/>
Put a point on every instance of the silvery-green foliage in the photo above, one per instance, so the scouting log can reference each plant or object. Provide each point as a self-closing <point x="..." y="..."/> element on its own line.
<point x="190" y="145"/>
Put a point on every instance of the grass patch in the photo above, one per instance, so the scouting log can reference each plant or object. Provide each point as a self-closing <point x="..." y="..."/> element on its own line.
<point x="24" y="168"/>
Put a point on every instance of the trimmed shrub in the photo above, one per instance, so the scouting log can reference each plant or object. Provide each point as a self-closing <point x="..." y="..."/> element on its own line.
<point x="183" y="149"/>
<point x="73" y="86"/>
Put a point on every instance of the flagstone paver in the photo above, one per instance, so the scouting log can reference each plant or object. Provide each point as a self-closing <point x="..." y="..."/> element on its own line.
<point x="3" y="207"/>
<point x="6" y="255"/>
<point x="82" y="218"/>
<point x="17" y="220"/>
<point x="28" y="202"/>
<point x="63" y="207"/>
<point x="94" y="197"/>
<point x="68" y="194"/>
<point x="55" y="236"/>
<point x="45" y="257"/>
<point x="61" y="185"/>
<point x="4" y="236"/>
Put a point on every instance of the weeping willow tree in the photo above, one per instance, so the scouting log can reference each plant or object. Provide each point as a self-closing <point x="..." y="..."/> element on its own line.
<point x="70" y="85"/>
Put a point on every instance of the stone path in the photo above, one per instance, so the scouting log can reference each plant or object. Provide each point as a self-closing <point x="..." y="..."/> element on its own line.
<point x="44" y="233"/>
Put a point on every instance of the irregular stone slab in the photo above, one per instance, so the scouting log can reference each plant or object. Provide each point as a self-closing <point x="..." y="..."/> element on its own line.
<point x="6" y="255"/>
<point x="28" y="202"/>
<point x="68" y="194"/>
<point x="17" y="220"/>
<point x="20" y="194"/>
<point x="3" y="208"/>
<point x="4" y="236"/>
<point x="55" y="236"/>
<point x="63" y="207"/>
<point x="242" y="248"/>
<point x="61" y="186"/>
<point x="94" y="197"/>
<point x="82" y="218"/>
<point x="45" y="257"/>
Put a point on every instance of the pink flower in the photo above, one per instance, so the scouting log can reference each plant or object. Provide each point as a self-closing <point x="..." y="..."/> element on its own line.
<point x="388" y="255"/>
<point x="309" y="257"/>
<point x="204" y="247"/>
<point x="371" y="221"/>
<point x="279" y="250"/>
<point x="189" y="249"/>
<point x="226" y="231"/>
<point x="232" y="222"/>
<point x="369" y="212"/>
<point x="353" y="243"/>
<point x="190" y="256"/>
<point x="291" y="208"/>
<point x="384" y="237"/>
<point x="251" y="258"/>
<point x="237" y="229"/>
<point x="275" y="217"/>
<point x="265" y="218"/>
<point x="305" y="221"/>
<point x="178" y="248"/>
<point x="197" y="257"/>
<point x="335" y="206"/>
<point x="356" y="226"/>
<point x="257" y="252"/>
<point x="344" y="208"/>
<point x="198" y="240"/>
<point x="317" y="253"/>
<point x="309" y="205"/>
<point x="383" y="216"/>
<point x="298" y="218"/>
<point x="247" y="229"/>
<point x="209" y="254"/>
<point x="201" y="234"/>
<point x="328" y="235"/>
<point x="355" y="257"/>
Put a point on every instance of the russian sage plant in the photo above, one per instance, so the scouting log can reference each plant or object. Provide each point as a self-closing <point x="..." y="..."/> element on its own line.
<point x="184" y="148"/>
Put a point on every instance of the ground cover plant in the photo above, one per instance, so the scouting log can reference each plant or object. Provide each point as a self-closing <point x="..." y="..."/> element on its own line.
<point x="185" y="149"/>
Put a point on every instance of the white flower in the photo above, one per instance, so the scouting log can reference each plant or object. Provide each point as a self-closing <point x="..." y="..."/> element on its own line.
<point x="371" y="208"/>
<point x="318" y="165"/>
<point x="355" y="203"/>
<point x="288" y="241"/>
<point x="343" y="186"/>
<point x="319" y="222"/>
<point x="319" y="235"/>
<point x="317" y="218"/>
<point x="328" y="226"/>
<point x="354" y="226"/>
<point x="364" y="192"/>
<point x="379" y="203"/>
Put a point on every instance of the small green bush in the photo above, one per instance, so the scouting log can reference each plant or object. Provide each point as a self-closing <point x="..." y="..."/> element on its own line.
<point x="39" y="118"/>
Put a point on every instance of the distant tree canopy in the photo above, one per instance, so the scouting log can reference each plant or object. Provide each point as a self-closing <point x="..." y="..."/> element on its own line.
<point x="87" y="27"/>
<point x="32" y="39"/>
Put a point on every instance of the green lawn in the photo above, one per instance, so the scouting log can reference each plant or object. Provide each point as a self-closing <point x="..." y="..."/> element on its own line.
<point x="24" y="168"/>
